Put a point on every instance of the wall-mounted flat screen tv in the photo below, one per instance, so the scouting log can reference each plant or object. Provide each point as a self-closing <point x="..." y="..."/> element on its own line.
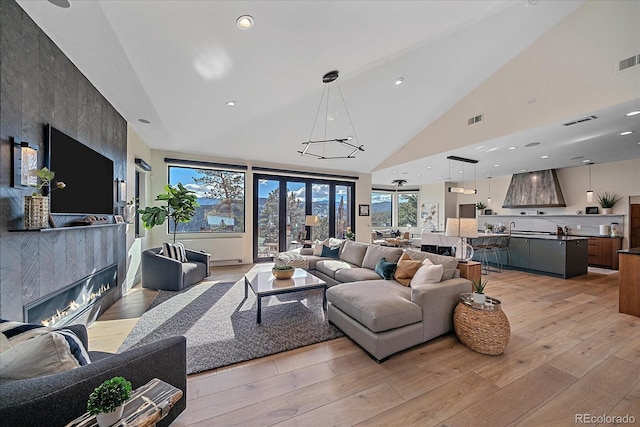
<point x="88" y="176"/>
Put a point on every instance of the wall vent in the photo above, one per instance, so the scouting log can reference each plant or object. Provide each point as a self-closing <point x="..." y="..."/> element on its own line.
<point x="475" y="119"/>
<point x="632" y="61"/>
<point x="582" y="120"/>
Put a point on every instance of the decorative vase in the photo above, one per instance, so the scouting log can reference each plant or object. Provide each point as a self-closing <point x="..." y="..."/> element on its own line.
<point x="479" y="298"/>
<point x="36" y="212"/>
<point x="607" y="211"/>
<point x="110" y="418"/>
<point x="283" y="274"/>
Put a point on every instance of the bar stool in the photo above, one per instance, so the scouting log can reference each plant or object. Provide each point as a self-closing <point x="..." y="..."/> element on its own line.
<point x="478" y="248"/>
<point x="503" y="246"/>
<point x="489" y="247"/>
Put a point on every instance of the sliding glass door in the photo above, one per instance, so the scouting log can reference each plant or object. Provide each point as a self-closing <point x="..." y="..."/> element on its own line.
<point x="282" y="204"/>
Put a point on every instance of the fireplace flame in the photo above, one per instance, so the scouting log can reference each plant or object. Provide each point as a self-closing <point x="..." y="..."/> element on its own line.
<point x="73" y="307"/>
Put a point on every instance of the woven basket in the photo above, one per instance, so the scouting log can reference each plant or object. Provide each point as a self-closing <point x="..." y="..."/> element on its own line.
<point x="36" y="212"/>
<point x="483" y="331"/>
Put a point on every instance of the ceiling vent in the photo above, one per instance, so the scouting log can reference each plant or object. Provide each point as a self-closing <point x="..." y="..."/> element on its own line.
<point x="582" y="120"/>
<point x="475" y="119"/>
<point x="632" y="61"/>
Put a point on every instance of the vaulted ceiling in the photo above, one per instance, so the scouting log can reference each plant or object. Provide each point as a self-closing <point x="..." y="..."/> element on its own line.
<point x="526" y="66"/>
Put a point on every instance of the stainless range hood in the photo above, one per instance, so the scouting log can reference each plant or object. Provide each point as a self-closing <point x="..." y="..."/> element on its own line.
<point x="534" y="190"/>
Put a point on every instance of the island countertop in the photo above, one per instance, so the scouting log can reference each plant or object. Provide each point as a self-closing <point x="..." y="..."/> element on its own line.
<point x="630" y="251"/>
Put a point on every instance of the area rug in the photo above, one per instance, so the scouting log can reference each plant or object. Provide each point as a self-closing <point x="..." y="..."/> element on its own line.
<point x="220" y="324"/>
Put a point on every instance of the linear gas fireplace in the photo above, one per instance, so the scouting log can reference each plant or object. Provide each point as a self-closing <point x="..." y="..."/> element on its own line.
<point x="74" y="301"/>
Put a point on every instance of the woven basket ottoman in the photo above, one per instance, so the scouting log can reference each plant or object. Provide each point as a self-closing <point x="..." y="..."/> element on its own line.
<point x="481" y="327"/>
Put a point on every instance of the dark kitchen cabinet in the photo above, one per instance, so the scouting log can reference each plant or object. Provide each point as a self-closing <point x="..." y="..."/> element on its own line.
<point x="565" y="258"/>
<point x="519" y="251"/>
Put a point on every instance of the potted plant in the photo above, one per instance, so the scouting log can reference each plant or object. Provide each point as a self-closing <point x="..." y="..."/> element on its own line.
<point x="181" y="206"/>
<point x="480" y="206"/>
<point x="608" y="201"/>
<point x="106" y="401"/>
<point x="478" y="291"/>
<point x="36" y="206"/>
<point x="283" y="271"/>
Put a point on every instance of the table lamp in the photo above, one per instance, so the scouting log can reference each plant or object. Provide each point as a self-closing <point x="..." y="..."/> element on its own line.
<point x="463" y="228"/>
<point x="311" y="221"/>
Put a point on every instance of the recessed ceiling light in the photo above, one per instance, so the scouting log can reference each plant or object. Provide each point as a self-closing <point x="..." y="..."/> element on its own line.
<point x="512" y="148"/>
<point x="428" y="167"/>
<point x="532" y="144"/>
<point x="231" y="103"/>
<point x="419" y="174"/>
<point x="633" y="113"/>
<point x="61" y="3"/>
<point x="244" y="22"/>
<point x="495" y="166"/>
<point x="586" y="161"/>
<point x="460" y="171"/>
<point x="546" y="156"/>
<point x="629" y="132"/>
<point x="145" y="121"/>
<point x="399" y="81"/>
<point x="523" y="170"/>
<point x="394" y="172"/>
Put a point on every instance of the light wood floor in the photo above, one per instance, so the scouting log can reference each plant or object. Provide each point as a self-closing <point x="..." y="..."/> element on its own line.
<point x="570" y="353"/>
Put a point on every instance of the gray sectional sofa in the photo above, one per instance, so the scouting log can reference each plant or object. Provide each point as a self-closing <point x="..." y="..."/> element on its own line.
<point x="383" y="316"/>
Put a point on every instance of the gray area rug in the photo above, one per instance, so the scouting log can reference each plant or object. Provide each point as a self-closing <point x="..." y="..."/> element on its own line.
<point x="220" y="325"/>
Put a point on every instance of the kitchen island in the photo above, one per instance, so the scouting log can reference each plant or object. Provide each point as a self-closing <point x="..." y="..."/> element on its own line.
<point x="537" y="252"/>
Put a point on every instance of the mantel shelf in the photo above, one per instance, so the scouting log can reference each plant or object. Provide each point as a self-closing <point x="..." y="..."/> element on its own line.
<point x="77" y="227"/>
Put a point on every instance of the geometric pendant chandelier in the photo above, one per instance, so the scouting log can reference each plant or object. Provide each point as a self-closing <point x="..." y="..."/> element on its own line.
<point x="331" y="148"/>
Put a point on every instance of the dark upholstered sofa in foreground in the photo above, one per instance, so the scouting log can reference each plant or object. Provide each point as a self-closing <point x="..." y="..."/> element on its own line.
<point x="55" y="400"/>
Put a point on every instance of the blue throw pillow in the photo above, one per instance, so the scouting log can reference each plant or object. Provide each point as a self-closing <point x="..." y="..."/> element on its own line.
<point x="385" y="269"/>
<point x="328" y="252"/>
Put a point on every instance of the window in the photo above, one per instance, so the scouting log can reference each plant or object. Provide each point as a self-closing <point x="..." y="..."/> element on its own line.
<point x="407" y="209"/>
<point x="220" y="195"/>
<point x="381" y="209"/>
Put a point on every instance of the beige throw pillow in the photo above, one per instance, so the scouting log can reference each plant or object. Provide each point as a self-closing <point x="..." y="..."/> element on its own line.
<point x="428" y="273"/>
<point x="317" y="247"/>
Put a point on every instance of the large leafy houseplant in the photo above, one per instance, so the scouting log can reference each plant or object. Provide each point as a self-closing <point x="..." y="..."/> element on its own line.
<point x="181" y="207"/>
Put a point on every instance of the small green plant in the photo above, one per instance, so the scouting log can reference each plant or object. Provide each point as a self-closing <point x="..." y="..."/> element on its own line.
<point x="46" y="176"/>
<point x="108" y="396"/>
<point x="349" y="234"/>
<point x="608" y="200"/>
<point x="479" y="285"/>
<point x="489" y="227"/>
<point x="480" y="205"/>
<point x="283" y="267"/>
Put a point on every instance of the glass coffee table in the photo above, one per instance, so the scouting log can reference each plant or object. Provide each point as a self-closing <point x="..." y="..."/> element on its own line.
<point x="263" y="284"/>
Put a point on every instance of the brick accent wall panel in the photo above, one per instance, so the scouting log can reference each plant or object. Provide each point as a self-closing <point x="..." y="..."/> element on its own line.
<point x="40" y="85"/>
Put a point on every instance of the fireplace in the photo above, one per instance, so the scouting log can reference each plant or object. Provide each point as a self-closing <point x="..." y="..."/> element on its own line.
<point x="75" y="301"/>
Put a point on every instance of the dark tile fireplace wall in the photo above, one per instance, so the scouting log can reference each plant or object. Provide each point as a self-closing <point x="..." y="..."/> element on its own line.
<point x="39" y="85"/>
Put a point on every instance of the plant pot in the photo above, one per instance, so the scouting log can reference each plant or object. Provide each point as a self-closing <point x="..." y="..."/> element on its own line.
<point x="479" y="298"/>
<point x="110" y="418"/>
<point x="283" y="274"/>
<point x="36" y="212"/>
<point x="607" y="211"/>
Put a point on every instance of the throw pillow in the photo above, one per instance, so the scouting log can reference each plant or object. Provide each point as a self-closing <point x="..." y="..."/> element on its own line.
<point x="317" y="247"/>
<point x="49" y="353"/>
<point x="13" y="333"/>
<point x="407" y="267"/>
<point x="328" y="252"/>
<point x="428" y="273"/>
<point x="385" y="269"/>
<point x="174" y="251"/>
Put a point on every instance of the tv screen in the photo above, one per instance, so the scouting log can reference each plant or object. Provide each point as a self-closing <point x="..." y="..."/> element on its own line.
<point x="88" y="176"/>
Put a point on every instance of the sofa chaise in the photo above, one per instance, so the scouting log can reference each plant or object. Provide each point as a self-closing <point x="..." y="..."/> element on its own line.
<point x="382" y="315"/>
